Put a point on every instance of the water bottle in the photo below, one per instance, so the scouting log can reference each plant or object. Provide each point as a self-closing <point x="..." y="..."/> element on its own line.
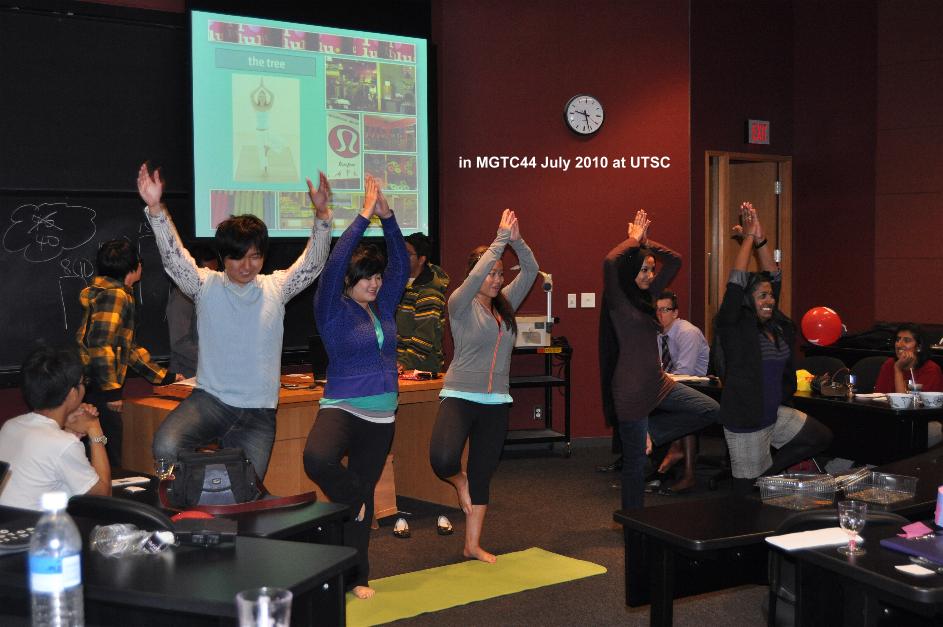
<point x="55" y="566"/>
<point x="124" y="539"/>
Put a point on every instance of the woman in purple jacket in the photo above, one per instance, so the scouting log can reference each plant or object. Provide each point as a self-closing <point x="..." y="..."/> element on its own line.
<point x="355" y="309"/>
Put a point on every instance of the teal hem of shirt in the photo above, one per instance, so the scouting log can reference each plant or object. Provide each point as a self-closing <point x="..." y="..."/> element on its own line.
<point x="376" y="402"/>
<point x="477" y="397"/>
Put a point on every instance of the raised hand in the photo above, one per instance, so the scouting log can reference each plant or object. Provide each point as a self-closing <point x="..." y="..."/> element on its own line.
<point x="382" y="208"/>
<point x="150" y="186"/>
<point x="320" y="197"/>
<point x="508" y="221"/>
<point x="638" y="228"/>
<point x="515" y="230"/>
<point x="751" y="221"/>
<point x="371" y="190"/>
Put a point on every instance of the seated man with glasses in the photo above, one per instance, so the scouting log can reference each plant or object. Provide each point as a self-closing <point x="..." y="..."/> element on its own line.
<point x="683" y="350"/>
<point x="43" y="447"/>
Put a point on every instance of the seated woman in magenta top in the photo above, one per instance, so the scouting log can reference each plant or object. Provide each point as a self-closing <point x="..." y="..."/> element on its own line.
<point x="912" y="360"/>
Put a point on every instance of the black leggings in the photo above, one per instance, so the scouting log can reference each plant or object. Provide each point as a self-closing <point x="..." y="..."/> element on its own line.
<point x="484" y="427"/>
<point x="111" y="423"/>
<point x="336" y="432"/>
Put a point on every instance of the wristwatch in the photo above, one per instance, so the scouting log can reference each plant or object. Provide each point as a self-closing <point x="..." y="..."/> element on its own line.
<point x="102" y="439"/>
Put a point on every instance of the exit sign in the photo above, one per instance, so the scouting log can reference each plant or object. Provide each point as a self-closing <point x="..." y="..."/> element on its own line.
<point x="758" y="131"/>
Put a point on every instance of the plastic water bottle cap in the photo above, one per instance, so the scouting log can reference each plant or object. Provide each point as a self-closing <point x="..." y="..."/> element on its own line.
<point x="54" y="501"/>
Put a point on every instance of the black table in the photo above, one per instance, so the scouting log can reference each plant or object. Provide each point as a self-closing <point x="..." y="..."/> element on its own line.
<point x="195" y="586"/>
<point x="833" y="589"/>
<point x="694" y="547"/>
<point x="867" y="431"/>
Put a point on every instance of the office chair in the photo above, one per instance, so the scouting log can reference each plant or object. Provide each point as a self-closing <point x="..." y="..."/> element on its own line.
<point x="112" y="509"/>
<point x="782" y="574"/>
<point x="866" y="372"/>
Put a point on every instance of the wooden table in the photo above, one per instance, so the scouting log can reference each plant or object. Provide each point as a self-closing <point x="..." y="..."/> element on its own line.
<point x="407" y="473"/>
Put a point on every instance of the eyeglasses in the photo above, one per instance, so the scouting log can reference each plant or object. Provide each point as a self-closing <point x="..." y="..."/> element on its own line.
<point x="666" y="309"/>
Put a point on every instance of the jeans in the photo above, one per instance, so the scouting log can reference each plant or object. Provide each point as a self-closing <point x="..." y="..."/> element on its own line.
<point x="681" y="412"/>
<point x="202" y="418"/>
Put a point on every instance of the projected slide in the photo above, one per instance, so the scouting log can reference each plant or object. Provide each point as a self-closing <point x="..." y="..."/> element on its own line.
<point x="274" y="102"/>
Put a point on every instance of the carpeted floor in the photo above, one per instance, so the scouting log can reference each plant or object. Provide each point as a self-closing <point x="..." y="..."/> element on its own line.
<point x="562" y="505"/>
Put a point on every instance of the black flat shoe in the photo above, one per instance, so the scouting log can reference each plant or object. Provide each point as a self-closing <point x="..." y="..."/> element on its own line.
<point x="654" y="481"/>
<point x="669" y="491"/>
<point x="401" y="528"/>
<point x="443" y="527"/>
<point x="615" y="466"/>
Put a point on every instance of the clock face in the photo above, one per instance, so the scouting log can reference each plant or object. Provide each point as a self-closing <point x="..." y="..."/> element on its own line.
<point x="584" y="114"/>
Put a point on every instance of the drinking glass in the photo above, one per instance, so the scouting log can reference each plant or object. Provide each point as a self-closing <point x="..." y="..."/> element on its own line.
<point x="852" y="516"/>
<point x="264" y="607"/>
<point x="164" y="468"/>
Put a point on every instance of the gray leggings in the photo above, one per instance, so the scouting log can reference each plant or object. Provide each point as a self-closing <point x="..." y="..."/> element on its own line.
<point x="484" y="427"/>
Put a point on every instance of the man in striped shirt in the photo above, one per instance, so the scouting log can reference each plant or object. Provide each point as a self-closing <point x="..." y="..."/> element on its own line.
<point x="420" y="317"/>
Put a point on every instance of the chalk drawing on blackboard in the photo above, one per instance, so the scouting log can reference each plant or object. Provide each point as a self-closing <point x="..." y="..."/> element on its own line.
<point x="42" y="232"/>
<point x="144" y="232"/>
<point x="80" y="270"/>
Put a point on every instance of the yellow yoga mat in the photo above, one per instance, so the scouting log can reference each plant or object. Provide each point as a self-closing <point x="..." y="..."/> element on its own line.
<point x="435" y="589"/>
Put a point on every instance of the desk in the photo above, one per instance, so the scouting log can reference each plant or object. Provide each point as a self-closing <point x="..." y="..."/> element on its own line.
<point x="870" y="432"/>
<point x="195" y="586"/>
<point x="693" y="547"/>
<point x="867" y="431"/>
<point x="297" y="409"/>
<point x="674" y="550"/>
<point x="836" y="590"/>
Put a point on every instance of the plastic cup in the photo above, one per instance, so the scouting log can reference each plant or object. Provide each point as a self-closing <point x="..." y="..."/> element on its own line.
<point x="264" y="607"/>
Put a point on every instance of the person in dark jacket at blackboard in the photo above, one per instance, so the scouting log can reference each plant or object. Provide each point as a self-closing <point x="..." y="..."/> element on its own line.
<point x="106" y="338"/>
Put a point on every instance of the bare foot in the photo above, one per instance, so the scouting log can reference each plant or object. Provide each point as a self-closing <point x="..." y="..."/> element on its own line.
<point x="674" y="455"/>
<point x="363" y="592"/>
<point x="460" y="481"/>
<point x="479" y="553"/>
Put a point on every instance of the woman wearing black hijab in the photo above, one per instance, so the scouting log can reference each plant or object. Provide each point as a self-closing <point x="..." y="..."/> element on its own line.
<point x="634" y="385"/>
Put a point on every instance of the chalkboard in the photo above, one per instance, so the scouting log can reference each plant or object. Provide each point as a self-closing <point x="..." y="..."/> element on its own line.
<point x="91" y="91"/>
<point x="47" y="256"/>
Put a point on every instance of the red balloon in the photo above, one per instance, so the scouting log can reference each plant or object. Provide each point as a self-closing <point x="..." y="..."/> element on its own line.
<point x="821" y="326"/>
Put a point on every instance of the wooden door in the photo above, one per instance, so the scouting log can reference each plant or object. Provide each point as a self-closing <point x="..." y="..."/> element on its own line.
<point x="764" y="180"/>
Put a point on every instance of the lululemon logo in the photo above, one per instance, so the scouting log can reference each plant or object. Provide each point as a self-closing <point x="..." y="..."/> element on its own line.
<point x="345" y="141"/>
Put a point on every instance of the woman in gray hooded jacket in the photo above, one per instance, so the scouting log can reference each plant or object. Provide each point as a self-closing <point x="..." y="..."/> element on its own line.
<point x="475" y="399"/>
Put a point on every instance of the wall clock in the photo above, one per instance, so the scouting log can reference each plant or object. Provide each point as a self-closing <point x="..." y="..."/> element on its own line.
<point x="584" y="114"/>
